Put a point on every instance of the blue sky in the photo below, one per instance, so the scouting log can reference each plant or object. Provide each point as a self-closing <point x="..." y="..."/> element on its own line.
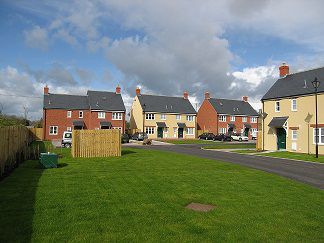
<point x="227" y="48"/>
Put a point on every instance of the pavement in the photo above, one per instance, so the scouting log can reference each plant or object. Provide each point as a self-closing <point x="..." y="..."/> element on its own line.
<point x="309" y="173"/>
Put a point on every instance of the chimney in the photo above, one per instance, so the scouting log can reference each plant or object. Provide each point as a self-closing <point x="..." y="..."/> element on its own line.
<point x="138" y="91"/>
<point x="283" y="70"/>
<point x="46" y="90"/>
<point x="245" y="98"/>
<point x="185" y="95"/>
<point x="118" y="89"/>
<point x="207" y="95"/>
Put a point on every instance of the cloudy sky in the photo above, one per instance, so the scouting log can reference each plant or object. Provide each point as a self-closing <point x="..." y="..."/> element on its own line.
<point x="230" y="48"/>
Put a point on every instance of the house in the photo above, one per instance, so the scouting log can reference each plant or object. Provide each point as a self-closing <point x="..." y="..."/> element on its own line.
<point x="96" y="110"/>
<point x="289" y="112"/>
<point x="224" y="116"/>
<point x="163" y="116"/>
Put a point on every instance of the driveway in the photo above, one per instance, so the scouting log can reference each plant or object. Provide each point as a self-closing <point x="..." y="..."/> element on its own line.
<point x="310" y="173"/>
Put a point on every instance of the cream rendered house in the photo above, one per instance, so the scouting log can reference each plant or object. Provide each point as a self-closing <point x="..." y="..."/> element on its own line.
<point x="163" y="116"/>
<point x="289" y="112"/>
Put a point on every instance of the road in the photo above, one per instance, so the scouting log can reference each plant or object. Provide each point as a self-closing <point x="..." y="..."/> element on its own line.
<point x="310" y="173"/>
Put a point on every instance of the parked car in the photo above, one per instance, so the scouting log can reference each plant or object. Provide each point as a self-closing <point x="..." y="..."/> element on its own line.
<point x="67" y="139"/>
<point x="254" y="135"/>
<point x="207" y="136"/>
<point x="139" y="136"/>
<point x="124" y="138"/>
<point x="239" y="137"/>
<point x="223" y="137"/>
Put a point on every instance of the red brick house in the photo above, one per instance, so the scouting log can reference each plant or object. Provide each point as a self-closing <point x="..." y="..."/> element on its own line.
<point x="96" y="110"/>
<point x="223" y="116"/>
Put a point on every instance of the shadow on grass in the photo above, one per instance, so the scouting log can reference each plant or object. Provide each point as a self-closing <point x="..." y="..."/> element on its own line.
<point x="125" y="152"/>
<point x="61" y="165"/>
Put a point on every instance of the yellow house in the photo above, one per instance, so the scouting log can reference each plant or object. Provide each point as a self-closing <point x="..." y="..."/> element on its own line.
<point x="288" y="112"/>
<point x="163" y="116"/>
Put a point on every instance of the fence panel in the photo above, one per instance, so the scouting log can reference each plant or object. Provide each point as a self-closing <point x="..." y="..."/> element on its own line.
<point x="96" y="143"/>
<point x="37" y="133"/>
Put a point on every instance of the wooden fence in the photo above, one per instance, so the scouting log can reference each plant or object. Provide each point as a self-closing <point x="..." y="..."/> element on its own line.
<point x="37" y="133"/>
<point x="96" y="143"/>
<point x="14" y="141"/>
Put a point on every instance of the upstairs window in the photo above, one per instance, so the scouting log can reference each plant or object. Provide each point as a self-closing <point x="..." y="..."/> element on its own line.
<point x="293" y="105"/>
<point x="80" y="114"/>
<point x="253" y="120"/>
<point x="69" y="114"/>
<point x="178" y="117"/>
<point x="149" y="116"/>
<point x="244" y="119"/>
<point x="101" y="115"/>
<point x="232" y="118"/>
<point x="163" y="117"/>
<point x="117" y="116"/>
<point x="277" y="106"/>
<point x="222" y="118"/>
<point x="190" y="118"/>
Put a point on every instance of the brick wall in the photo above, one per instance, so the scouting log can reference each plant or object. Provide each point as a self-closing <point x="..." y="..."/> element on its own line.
<point x="207" y="117"/>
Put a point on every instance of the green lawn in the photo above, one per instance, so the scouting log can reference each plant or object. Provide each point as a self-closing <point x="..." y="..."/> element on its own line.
<point x="298" y="156"/>
<point x="141" y="197"/>
<point x="245" y="151"/>
<point x="188" y="141"/>
<point x="241" y="145"/>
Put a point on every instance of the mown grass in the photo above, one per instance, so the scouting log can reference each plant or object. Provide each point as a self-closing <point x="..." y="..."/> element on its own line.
<point x="241" y="145"/>
<point x="298" y="156"/>
<point x="245" y="151"/>
<point x="188" y="141"/>
<point x="141" y="197"/>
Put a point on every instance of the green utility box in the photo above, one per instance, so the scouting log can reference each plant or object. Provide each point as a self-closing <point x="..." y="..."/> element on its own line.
<point x="48" y="160"/>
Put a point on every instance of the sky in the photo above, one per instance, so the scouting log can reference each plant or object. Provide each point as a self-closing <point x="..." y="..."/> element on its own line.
<point x="229" y="48"/>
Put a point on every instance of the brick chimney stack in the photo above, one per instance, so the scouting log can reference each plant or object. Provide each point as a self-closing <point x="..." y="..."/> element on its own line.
<point x="118" y="89"/>
<point x="138" y="91"/>
<point x="283" y="70"/>
<point x="207" y="95"/>
<point x="245" y="98"/>
<point x="185" y="95"/>
<point x="46" y="90"/>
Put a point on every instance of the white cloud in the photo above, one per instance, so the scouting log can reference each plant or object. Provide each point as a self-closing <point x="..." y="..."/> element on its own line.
<point x="37" y="37"/>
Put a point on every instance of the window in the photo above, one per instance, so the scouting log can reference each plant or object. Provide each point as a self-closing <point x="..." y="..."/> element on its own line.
<point x="190" y="130"/>
<point x="222" y="118"/>
<point x="175" y="132"/>
<point x="190" y="118"/>
<point x="117" y="116"/>
<point x="178" y="117"/>
<point x="149" y="130"/>
<point x="244" y="119"/>
<point x="80" y="114"/>
<point x="149" y="116"/>
<point x="163" y="117"/>
<point x="294" y="135"/>
<point x="101" y="115"/>
<point x="53" y="130"/>
<point x="232" y="118"/>
<point x="320" y="137"/>
<point x="69" y="129"/>
<point x="222" y="130"/>
<point x="166" y="130"/>
<point x="119" y="128"/>
<point x="253" y="120"/>
<point x="254" y="130"/>
<point x="69" y="114"/>
<point x="293" y="105"/>
<point x="277" y="106"/>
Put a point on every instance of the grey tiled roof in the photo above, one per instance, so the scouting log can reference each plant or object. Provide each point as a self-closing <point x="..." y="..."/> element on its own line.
<point x="166" y="104"/>
<point x="63" y="101"/>
<point x="108" y="101"/>
<point x="232" y="107"/>
<point x="296" y="84"/>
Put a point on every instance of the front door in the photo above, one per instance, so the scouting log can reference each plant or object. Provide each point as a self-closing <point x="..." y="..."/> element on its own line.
<point x="246" y="132"/>
<point x="281" y="138"/>
<point x="180" y="132"/>
<point x="160" y="132"/>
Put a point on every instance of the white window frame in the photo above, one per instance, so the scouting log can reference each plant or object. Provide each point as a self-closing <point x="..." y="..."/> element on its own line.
<point x="178" y="117"/>
<point x="101" y="115"/>
<point x="232" y="118"/>
<point x="222" y="118"/>
<point x="190" y="131"/>
<point x="53" y="132"/>
<point x="277" y="106"/>
<point x="69" y="114"/>
<point x="149" y="116"/>
<point x="166" y="130"/>
<point x="117" y="116"/>
<point x="244" y="119"/>
<point x="149" y="130"/>
<point x="69" y="129"/>
<point x="175" y="132"/>
<point x="222" y="130"/>
<point x="254" y="130"/>
<point x="253" y="119"/>
<point x="119" y="128"/>
<point x="80" y="114"/>
<point x="320" y="135"/>
<point x="190" y="118"/>
<point x="294" y="135"/>
<point x="163" y="116"/>
<point x="294" y="106"/>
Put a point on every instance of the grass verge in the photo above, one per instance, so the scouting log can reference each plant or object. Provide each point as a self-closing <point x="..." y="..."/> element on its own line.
<point x="298" y="156"/>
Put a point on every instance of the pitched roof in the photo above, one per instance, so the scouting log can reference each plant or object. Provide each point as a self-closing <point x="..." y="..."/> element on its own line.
<point x="63" y="101"/>
<point x="232" y="107"/>
<point x="95" y="100"/>
<point x="108" y="101"/>
<point x="296" y="84"/>
<point x="166" y="104"/>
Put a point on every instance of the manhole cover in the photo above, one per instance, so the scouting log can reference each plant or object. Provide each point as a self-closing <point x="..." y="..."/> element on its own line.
<point x="200" y="207"/>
